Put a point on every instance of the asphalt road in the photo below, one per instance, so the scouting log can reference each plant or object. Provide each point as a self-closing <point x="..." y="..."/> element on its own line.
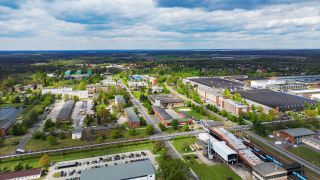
<point x="38" y="125"/>
<point x="286" y="153"/>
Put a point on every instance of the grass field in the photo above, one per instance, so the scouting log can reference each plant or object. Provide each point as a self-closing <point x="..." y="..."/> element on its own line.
<point x="78" y="154"/>
<point x="137" y="94"/>
<point x="205" y="172"/>
<point x="307" y="154"/>
<point x="182" y="144"/>
<point x="192" y="113"/>
<point x="9" y="145"/>
<point x="38" y="144"/>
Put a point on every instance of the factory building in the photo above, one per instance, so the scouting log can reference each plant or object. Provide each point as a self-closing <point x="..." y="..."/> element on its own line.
<point x="212" y="84"/>
<point x="269" y="170"/>
<point x="234" y="107"/>
<point x="166" y="101"/>
<point x="296" y="135"/>
<point x="276" y="100"/>
<point x="27" y="174"/>
<point x="133" y="119"/>
<point x="313" y="94"/>
<point x="167" y="115"/>
<point x="66" y="111"/>
<point x="83" y="94"/>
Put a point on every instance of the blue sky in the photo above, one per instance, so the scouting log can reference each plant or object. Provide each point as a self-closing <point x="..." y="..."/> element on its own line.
<point x="158" y="24"/>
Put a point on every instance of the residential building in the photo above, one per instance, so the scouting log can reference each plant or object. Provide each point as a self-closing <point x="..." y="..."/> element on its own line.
<point x="140" y="170"/>
<point x="27" y="174"/>
<point x="136" y="85"/>
<point x="97" y="88"/>
<point x="133" y="119"/>
<point x="108" y="82"/>
<point x="153" y="81"/>
<point x="77" y="133"/>
<point x="119" y="100"/>
<point x="269" y="170"/>
<point x="295" y="135"/>
<point x="156" y="89"/>
<point x="166" y="101"/>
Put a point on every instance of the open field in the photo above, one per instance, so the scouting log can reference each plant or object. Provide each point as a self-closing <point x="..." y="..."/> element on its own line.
<point x="307" y="154"/>
<point x="206" y="172"/>
<point x="182" y="144"/>
<point x="192" y="112"/>
<point x="137" y="94"/>
<point x="78" y="154"/>
<point x="9" y="145"/>
<point x="38" y="144"/>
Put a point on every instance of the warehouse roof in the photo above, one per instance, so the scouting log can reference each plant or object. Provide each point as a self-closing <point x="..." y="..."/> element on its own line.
<point x="218" y="83"/>
<point x="131" y="115"/>
<point x="121" y="171"/>
<point x="276" y="99"/>
<point x="165" y="98"/>
<point x="120" y="98"/>
<point x="299" y="132"/>
<point x="66" y="110"/>
<point x="22" y="173"/>
<point x="269" y="168"/>
<point x="162" y="112"/>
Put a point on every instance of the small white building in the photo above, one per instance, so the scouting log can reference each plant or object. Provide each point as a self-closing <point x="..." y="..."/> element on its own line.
<point x="77" y="133"/>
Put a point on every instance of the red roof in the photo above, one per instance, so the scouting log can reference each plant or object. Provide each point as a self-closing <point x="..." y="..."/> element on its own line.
<point x="22" y="173"/>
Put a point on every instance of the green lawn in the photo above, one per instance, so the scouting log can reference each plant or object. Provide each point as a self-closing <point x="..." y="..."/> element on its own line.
<point x="38" y="144"/>
<point x="307" y="154"/>
<point x="9" y="145"/>
<point x="78" y="154"/>
<point x="192" y="113"/>
<point x="205" y="172"/>
<point x="182" y="144"/>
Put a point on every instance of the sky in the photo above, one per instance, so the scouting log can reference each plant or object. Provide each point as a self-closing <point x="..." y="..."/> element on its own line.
<point x="159" y="24"/>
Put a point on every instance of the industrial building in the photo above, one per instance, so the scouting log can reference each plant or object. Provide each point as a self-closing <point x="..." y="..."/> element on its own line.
<point x="234" y="107"/>
<point x="214" y="147"/>
<point x="133" y="119"/>
<point x="5" y="124"/>
<point x="119" y="100"/>
<point x="287" y="87"/>
<point x="27" y="174"/>
<point x="312" y="142"/>
<point x="66" y="111"/>
<point x="313" y="94"/>
<point x="295" y="135"/>
<point x="83" y="94"/>
<point x="304" y="79"/>
<point x="213" y="84"/>
<point x="276" y="100"/>
<point x="166" y="101"/>
<point x="244" y="153"/>
<point x="269" y="170"/>
<point x="140" y="170"/>
<point x="166" y="116"/>
<point x="136" y="85"/>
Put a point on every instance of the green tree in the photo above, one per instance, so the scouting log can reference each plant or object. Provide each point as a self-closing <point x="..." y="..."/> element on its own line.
<point x="115" y="134"/>
<point x="162" y="127"/>
<point x="100" y="140"/>
<point x="49" y="124"/>
<point x="44" y="161"/>
<point x="1" y="141"/>
<point x="18" y="167"/>
<point x="185" y="127"/>
<point x="227" y="94"/>
<point x="175" y="124"/>
<point x="105" y="116"/>
<point x="149" y="130"/>
<point x="158" y="146"/>
<point x="52" y="140"/>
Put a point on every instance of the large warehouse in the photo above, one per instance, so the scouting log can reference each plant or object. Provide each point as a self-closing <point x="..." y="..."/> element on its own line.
<point x="215" y="84"/>
<point x="277" y="100"/>
<point x="66" y="111"/>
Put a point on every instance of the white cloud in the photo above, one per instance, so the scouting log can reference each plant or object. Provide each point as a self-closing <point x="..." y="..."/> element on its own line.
<point x="134" y="24"/>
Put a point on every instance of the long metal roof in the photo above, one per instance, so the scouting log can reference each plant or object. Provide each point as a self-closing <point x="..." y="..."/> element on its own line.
<point x="122" y="171"/>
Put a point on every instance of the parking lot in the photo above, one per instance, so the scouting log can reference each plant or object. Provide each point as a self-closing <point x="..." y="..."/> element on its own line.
<point x="77" y="166"/>
<point x="80" y="110"/>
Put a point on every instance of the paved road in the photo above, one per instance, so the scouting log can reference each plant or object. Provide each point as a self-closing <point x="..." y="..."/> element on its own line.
<point x="144" y="113"/>
<point x="38" y="125"/>
<point x="286" y="153"/>
<point x="151" y="121"/>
